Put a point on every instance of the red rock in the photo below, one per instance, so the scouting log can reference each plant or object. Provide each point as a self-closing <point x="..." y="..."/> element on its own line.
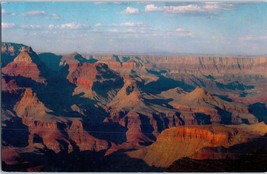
<point x="30" y="106"/>
<point x="9" y="155"/>
<point x="83" y="139"/>
<point x="24" y="66"/>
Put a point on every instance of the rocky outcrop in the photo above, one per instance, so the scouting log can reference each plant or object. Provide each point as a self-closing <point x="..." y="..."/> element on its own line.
<point x="59" y="135"/>
<point x="50" y="129"/>
<point x="83" y="139"/>
<point x="91" y="79"/>
<point x="256" y="135"/>
<point x="95" y="80"/>
<point x="200" y="101"/>
<point x="211" y="65"/>
<point x="10" y="86"/>
<point x="30" y="106"/>
<point x="184" y="141"/>
<point x="9" y="155"/>
<point x="9" y="51"/>
<point x="24" y="65"/>
<point x="127" y="98"/>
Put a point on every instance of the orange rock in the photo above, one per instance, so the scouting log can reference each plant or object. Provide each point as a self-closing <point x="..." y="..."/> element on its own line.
<point x="23" y="66"/>
<point x="184" y="141"/>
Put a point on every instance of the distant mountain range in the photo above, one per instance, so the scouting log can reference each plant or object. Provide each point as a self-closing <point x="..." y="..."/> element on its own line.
<point x="130" y="113"/>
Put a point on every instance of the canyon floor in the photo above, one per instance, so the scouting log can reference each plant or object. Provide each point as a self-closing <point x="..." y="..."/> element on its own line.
<point x="118" y="113"/>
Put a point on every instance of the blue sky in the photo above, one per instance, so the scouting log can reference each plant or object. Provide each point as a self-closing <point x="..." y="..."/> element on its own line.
<point x="138" y="28"/>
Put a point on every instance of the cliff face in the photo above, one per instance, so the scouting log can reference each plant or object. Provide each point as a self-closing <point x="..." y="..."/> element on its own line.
<point x="84" y="140"/>
<point x="9" y="51"/>
<point x="29" y="105"/>
<point x="91" y="79"/>
<point x="182" y="67"/>
<point x="211" y="65"/>
<point x="9" y="85"/>
<point x="23" y="65"/>
<point x="191" y="141"/>
<point x="55" y="133"/>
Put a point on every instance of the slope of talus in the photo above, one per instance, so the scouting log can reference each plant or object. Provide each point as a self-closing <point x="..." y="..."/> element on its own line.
<point x="128" y="97"/>
<point x="217" y="110"/>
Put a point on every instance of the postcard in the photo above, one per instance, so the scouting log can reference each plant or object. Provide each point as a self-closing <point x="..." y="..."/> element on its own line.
<point x="132" y="86"/>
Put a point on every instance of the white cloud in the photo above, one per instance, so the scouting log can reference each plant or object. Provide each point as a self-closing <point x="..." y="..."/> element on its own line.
<point x="254" y="38"/>
<point x="35" y="13"/>
<point x="114" y="30"/>
<point x="71" y="26"/>
<point x="126" y="27"/>
<point x="31" y="27"/>
<point x="182" y="8"/>
<point x="183" y="32"/>
<point x="67" y="26"/>
<point x="179" y="30"/>
<point x="8" y="25"/>
<point x="131" y="30"/>
<point x="110" y="2"/>
<point x="51" y="26"/>
<point x="152" y="7"/>
<point x="216" y="6"/>
<point x="125" y="24"/>
<point x="55" y="16"/>
<point x="98" y="25"/>
<point x="209" y="7"/>
<point x="131" y="24"/>
<point x="130" y="10"/>
<point x="4" y="12"/>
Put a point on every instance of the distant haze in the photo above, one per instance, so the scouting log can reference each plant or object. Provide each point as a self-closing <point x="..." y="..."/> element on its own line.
<point x="221" y="28"/>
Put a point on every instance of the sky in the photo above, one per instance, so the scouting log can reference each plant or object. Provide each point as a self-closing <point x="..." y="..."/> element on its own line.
<point x="224" y="28"/>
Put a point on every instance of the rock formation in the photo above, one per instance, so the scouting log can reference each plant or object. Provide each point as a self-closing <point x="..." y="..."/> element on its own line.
<point x="185" y="141"/>
<point x="152" y="109"/>
<point x="23" y="65"/>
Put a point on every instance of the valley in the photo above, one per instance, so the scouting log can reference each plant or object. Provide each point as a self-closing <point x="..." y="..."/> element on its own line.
<point x="131" y="113"/>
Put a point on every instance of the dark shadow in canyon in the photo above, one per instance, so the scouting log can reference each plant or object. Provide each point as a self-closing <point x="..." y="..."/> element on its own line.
<point x="85" y="161"/>
<point x="15" y="133"/>
<point x="223" y="97"/>
<point x="235" y="86"/>
<point x="203" y="119"/>
<point x="249" y="157"/>
<point x="164" y="84"/>
<point x="110" y="131"/>
<point x="146" y="127"/>
<point x="259" y="110"/>
<point x="226" y="117"/>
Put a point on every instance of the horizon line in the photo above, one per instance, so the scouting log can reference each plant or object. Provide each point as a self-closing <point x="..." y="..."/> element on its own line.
<point x="238" y="1"/>
<point x="125" y="53"/>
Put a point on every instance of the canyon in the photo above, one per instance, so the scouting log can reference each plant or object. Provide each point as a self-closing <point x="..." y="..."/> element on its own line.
<point x="118" y="111"/>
